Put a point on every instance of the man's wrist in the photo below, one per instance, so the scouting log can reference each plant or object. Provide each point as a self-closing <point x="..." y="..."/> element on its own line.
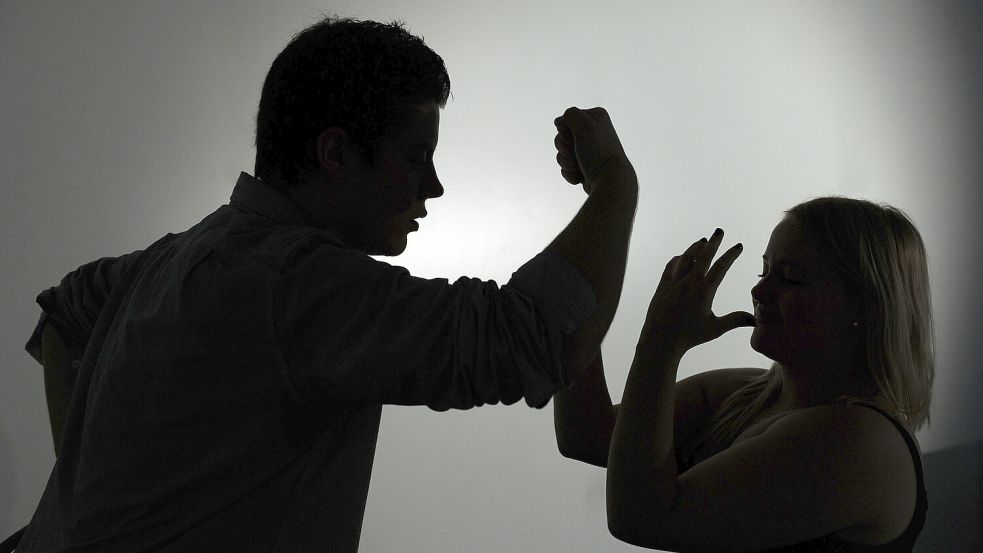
<point x="617" y="179"/>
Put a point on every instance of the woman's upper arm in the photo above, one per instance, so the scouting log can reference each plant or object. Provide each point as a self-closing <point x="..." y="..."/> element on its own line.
<point x="812" y="473"/>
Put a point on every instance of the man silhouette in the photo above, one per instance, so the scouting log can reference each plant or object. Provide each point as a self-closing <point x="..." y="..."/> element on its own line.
<point x="221" y="389"/>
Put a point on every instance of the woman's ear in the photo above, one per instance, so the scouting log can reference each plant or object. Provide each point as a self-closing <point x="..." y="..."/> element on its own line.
<point x="330" y="146"/>
<point x="867" y="310"/>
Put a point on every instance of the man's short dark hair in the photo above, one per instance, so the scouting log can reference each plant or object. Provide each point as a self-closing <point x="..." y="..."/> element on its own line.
<point x="356" y="75"/>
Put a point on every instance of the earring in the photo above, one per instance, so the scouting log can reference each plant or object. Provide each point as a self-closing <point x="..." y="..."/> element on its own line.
<point x="856" y="324"/>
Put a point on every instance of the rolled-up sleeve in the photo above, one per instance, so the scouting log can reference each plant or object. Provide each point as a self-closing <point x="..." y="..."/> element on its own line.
<point x="353" y="328"/>
<point x="74" y="305"/>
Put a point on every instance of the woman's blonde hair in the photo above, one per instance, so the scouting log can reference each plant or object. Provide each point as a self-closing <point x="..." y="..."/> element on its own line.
<point x="880" y="256"/>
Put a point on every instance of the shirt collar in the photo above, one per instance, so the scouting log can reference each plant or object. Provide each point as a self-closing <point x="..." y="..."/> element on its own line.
<point x="255" y="196"/>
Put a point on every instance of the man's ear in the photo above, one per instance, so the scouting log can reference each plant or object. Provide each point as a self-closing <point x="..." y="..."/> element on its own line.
<point x="330" y="146"/>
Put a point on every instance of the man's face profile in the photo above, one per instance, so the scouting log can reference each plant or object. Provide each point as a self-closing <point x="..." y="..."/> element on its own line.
<point x="384" y="196"/>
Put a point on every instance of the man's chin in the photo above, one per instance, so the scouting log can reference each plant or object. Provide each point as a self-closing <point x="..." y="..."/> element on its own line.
<point x="392" y="247"/>
<point x="385" y="244"/>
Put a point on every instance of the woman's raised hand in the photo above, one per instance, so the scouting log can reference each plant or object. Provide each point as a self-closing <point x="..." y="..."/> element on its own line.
<point x="680" y="314"/>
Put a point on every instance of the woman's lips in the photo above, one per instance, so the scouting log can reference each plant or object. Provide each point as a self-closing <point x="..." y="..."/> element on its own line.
<point x="765" y="319"/>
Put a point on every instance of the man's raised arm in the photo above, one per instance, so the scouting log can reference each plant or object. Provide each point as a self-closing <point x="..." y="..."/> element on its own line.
<point x="596" y="241"/>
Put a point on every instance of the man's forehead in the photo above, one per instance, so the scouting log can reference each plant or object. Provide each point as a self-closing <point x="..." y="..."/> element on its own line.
<point x="426" y="108"/>
<point x="423" y="115"/>
<point x="418" y="120"/>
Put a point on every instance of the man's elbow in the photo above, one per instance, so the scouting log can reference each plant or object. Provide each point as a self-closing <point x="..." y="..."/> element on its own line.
<point x="578" y="451"/>
<point x="578" y="353"/>
<point x="618" y="520"/>
<point x="568" y="448"/>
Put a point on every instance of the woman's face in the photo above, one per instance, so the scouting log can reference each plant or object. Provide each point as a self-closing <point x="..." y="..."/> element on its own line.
<point x="803" y="314"/>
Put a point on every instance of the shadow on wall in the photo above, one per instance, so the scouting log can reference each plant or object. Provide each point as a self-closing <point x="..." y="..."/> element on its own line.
<point x="953" y="480"/>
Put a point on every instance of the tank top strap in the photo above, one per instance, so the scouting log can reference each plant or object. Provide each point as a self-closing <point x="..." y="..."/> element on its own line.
<point x="902" y="544"/>
<point x="921" y="503"/>
<point x="906" y="433"/>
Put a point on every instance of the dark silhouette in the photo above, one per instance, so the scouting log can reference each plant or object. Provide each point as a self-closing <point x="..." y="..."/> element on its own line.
<point x="815" y="454"/>
<point x="221" y="389"/>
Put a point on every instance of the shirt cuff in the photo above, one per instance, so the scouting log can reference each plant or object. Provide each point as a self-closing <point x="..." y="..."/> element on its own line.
<point x="33" y="345"/>
<point x="562" y="296"/>
<point x="50" y="314"/>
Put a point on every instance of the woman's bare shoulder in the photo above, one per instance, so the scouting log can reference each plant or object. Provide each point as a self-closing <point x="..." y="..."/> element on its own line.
<point x="866" y="455"/>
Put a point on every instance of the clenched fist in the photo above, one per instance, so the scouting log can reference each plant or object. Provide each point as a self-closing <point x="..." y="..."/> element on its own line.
<point x="587" y="147"/>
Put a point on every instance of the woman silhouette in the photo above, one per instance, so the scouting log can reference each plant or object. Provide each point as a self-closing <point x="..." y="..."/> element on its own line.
<point x="815" y="453"/>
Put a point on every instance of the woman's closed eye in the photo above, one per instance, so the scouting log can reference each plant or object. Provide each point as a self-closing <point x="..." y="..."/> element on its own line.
<point x="785" y="279"/>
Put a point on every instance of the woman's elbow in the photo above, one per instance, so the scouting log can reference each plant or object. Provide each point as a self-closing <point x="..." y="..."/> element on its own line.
<point x="632" y="522"/>
<point x="622" y="528"/>
<point x="635" y="532"/>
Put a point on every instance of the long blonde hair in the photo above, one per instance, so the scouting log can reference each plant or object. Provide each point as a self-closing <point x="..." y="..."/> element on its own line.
<point x="879" y="254"/>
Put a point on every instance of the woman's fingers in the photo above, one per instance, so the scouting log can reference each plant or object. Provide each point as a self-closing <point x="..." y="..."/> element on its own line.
<point x="685" y="261"/>
<point x="670" y="267"/>
<point x="696" y="259"/>
<point x="734" y="320"/>
<point x="716" y="273"/>
<point x="706" y="253"/>
<point x="682" y="304"/>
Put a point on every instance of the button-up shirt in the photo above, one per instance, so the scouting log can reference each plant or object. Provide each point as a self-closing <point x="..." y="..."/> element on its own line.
<point x="233" y="375"/>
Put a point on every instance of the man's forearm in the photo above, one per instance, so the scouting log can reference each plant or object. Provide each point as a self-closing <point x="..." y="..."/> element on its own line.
<point x="596" y="243"/>
<point x="583" y="417"/>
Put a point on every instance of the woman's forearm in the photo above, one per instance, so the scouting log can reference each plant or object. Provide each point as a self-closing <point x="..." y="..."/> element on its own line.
<point x="583" y="417"/>
<point x="642" y="479"/>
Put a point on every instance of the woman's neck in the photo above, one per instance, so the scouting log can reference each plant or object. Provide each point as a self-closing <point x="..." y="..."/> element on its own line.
<point x="807" y="386"/>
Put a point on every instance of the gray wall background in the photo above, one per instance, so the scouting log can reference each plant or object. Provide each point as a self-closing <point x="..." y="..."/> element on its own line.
<point x="121" y="121"/>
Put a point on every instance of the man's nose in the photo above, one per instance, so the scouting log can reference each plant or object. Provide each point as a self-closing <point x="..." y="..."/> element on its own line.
<point x="432" y="188"/>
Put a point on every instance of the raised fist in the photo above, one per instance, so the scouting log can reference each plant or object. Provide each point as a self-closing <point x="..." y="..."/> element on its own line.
<point x="587" y="146"/>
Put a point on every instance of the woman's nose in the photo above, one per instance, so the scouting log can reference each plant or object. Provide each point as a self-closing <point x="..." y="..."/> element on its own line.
<point x="758" y="291"/>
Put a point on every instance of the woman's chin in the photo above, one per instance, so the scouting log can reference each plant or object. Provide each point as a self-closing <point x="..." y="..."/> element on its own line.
<point x="756" y="340"/>
<point x="760" y="344"/>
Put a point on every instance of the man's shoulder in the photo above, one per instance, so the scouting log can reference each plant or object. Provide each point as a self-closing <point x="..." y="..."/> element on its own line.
<point x="249" y="238"/>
